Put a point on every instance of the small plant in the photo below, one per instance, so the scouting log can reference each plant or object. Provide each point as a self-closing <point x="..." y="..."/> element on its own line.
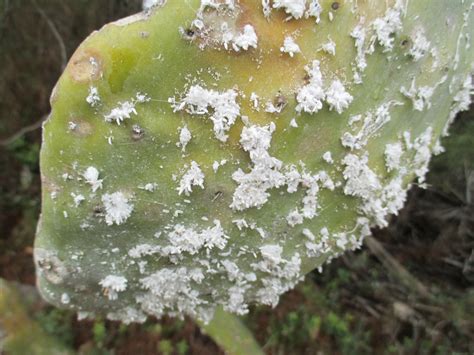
<point x="204" y="156"/>
<point x="100" y="332"/>
<point x="298" y="327"/>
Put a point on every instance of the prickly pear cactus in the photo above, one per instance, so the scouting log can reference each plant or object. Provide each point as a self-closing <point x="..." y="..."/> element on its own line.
<point x="211" y="153"/>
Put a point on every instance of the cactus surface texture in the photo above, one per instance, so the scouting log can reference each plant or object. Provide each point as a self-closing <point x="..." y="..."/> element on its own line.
<point x="210" y="153"/>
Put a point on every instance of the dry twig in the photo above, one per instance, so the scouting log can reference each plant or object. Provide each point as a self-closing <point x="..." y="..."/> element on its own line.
<point x="56" y="34"/>
<point x="395" y="268"/>
<point x="34" y="126"/>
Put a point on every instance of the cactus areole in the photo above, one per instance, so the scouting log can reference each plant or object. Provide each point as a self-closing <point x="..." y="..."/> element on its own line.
<point x="210" y="153"/>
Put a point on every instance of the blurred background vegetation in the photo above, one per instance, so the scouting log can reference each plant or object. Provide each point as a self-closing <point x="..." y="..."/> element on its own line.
<point x="409" y="291"/>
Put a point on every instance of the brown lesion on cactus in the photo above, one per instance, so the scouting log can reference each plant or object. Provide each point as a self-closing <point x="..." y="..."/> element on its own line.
<point x="50" y="266"/>
<point x="189" y="34"/>
<point x="247" y="15"/>
<point x="54" y="94"/>
<point x="98" y="211"/>
<point x="49" y="186"/>
<point x="85" y="65"/>
<point x="280" y="101"/>
<point x="405" y="42"/>
<point x="106" y="292"/>
<point x="336" y="5"/>
<point x="82" y="128"/>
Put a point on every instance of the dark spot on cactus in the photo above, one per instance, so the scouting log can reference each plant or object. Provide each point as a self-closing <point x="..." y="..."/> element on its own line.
<point x="144" y="34"/>
<point x="405" y="42"/>
<point x="280" y="102"/>
<point x="137" y="132"/>
<point x="50" y="266"/>
<point x="98" y="211"/>
<point x="335" y="5"/>
<point x="189" y="34"/>
<point x="217" y="195"/>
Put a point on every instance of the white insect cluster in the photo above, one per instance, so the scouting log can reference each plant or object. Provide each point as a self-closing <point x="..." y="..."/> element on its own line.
<point x="184" y="137"/>
<point x="381" y="31"/>
<point x="221" y="108"/>
<point x="421" y="97"/>
<point x="223" y="33"/>
<point x="93" y="98"/>
<point x="372" y="123"/>
<point x="149" y="4"/>
<point x="296" y="9"/>
<point x="311" y="96"/>
<point x="420" y="46"/>
<point x="125" y="110"/>
<point x="242" y="40"/>
<point x="112" y="285"/>
<point x="290" y="46"/>
<point x="122" y="112"/>
<point x="117" y="208"/>
<point x="337" y="97"/>
<point x="388" y="25"/>
<point x="265" y="174"/>
<point x="329" y="47"/>
<point x="92" y="178"/>
<point x="193" y="177"/>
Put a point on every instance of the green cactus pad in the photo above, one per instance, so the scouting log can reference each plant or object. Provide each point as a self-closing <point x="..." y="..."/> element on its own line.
<point x="211" y="153"/>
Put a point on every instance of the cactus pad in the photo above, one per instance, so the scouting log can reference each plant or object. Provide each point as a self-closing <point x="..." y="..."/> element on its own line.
<point x="211" y="153"/>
